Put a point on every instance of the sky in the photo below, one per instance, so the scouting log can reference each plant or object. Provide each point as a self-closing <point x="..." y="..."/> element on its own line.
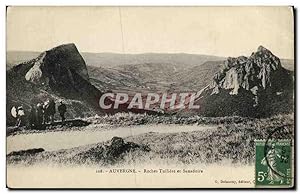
<point x="220" y="31"/>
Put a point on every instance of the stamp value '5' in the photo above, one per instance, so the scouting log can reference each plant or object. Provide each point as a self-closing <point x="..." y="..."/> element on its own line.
<point x="273" y="163"/>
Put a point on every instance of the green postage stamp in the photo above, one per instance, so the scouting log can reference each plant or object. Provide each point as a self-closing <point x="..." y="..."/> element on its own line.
<point x="273" y="162"/>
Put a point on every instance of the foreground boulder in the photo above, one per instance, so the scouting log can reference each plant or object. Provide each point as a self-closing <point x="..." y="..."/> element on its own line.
<point x="111" y="152"/>
<point x="28" y="152"/>
<point x="26" y="157"/>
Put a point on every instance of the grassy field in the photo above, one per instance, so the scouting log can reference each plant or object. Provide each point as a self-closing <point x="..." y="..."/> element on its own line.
<point x="232" y="140"/>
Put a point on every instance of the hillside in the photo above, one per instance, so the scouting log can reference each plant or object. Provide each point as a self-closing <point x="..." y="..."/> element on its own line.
<point x="16" y="57"/>
<point x="147" y="76"/>
<point x="288" y="64"/>
<point x="197" y="77"/>
<point x="157" y="76"/>
<point x="114" y="59"/>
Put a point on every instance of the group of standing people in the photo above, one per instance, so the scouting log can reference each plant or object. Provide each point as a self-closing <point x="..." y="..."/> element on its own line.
<point x="39" y="114"/>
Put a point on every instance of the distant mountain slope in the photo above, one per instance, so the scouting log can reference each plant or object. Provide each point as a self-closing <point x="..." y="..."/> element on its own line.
<point x="115" y="59"/>
<point x="288" y="64"/>
<point x="197" y="77"/>
<point x="109" y="60"/>
<point x="148" y="76"/>
<point x="17" y="57"/>
<point x="112" y="79"/>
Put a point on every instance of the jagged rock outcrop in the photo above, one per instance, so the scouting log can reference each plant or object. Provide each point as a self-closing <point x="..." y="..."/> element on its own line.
<point x="61" y="70"/>
<point x="57" y="66"/>
<point x="249" y="86"/>
<point x="253" y="73"/>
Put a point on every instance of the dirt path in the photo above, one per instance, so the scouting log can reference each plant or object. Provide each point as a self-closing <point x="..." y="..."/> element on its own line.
<point x="67" y="139"/>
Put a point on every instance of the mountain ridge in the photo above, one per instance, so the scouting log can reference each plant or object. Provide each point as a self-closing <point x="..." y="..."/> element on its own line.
<point x="94" y="59"/>
<point x="116" y="59"/>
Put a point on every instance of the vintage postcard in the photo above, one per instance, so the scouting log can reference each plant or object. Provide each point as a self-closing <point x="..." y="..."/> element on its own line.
<point x="150" y="97"/>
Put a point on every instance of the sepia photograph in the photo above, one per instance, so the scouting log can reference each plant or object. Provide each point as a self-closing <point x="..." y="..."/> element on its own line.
<point x="159" y="97"/>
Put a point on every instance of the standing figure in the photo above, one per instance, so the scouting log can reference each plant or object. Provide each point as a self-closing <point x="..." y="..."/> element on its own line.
<point x="62" y="108"/>
<point x="45" y="112"/>
<point x="20" y="116"/>
<point x="14" y="114"/>
<point x="51" y="110"/>
<point x="39" y="115"/>
<point x="32" y="117"/>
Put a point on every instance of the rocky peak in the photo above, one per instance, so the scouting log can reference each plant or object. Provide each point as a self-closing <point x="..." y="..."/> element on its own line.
<point x="250" y="73"/>
<point x="57" y="66"/>
<point x="58" y="73"/>
<point x="262" y="49"/>
<point x="255" y="86"/>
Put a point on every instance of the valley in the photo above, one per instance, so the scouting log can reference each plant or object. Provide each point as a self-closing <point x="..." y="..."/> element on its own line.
<point x="241" y="99"/>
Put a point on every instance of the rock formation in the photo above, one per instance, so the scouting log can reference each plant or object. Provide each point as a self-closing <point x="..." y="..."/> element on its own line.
<point x="253" y="73"/>
<point x="249" y="86"/>
<point x="59" y="73"/>
<point x="56" y="67"/>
